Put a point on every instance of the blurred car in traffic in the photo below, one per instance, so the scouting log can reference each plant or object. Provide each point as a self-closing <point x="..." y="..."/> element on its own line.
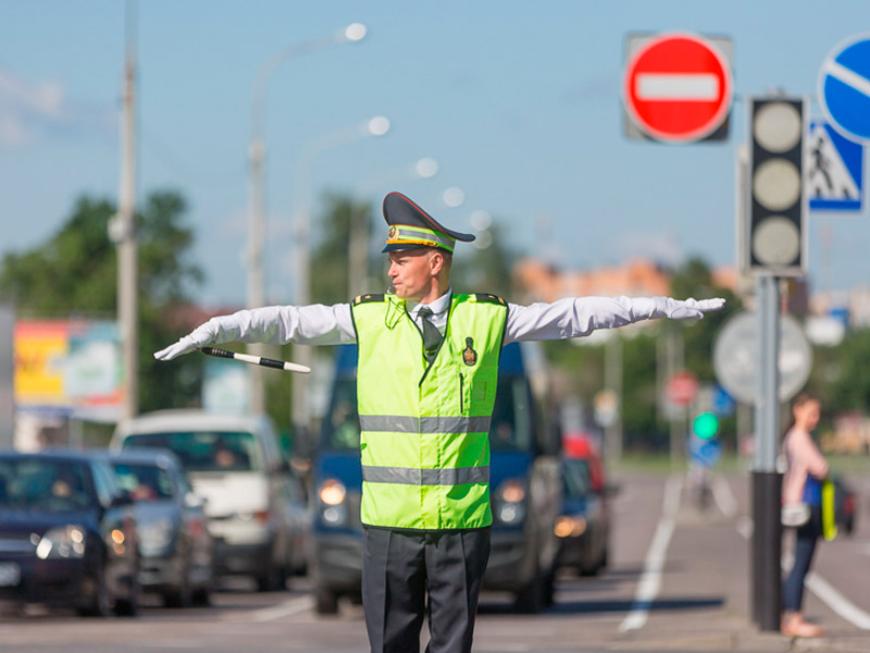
<point x="524" y="480"/>
<point x="845" y="505"/>
<point x="583" y="526"/>
<point x="67" y="534"/>
<point x="175" y="547"/>
<point x="236" y="465"/>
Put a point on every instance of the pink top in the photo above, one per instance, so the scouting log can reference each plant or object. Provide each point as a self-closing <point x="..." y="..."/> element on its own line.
<point x="804" y="458"/>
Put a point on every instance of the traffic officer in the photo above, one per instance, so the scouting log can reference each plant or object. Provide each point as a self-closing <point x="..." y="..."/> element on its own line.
<point x="426" y="382"/>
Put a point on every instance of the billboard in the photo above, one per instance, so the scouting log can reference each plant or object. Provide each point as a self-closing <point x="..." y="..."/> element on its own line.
<point x="69" y="367"/>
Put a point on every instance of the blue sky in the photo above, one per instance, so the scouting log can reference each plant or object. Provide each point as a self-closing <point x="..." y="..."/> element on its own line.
<point x="519" y="102"/>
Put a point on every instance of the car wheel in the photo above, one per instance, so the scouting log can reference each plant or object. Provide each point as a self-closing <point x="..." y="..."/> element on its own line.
<point x="325" y="601"/>
<point x="201" y="596"/>
<point x="178" y="597"/>
<point x="270" y="580"/>
<point x="129" y="606"/>
<point x="531" y="599"/>
<point x="100" y="604"/>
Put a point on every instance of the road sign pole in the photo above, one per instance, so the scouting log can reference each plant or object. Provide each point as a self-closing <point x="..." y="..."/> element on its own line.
<point x="7" y="371"/>
<point x="766" y="481"/>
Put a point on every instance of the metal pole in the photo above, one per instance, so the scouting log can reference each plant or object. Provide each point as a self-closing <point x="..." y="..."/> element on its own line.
<point x="7" y="371"/>
<point x="127" y="247"/>
<point x="766" y="481"/>
<point x="613" y="382"/>
<point x="257" y="202"/>
<point x="358" y="253"/>
<point x="256" y="229"/>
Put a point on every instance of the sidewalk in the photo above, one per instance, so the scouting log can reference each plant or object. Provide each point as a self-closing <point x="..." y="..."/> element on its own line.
<point x="703" y="601"/>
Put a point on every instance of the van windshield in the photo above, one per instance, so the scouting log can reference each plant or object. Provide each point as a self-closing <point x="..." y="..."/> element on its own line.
<point x="511" y="417"/>
<point x="204" y="451"/>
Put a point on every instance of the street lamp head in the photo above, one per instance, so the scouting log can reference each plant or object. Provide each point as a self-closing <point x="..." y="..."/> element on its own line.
<point x="453" y="197"/>
<point x="426" y="168"/>
<point x="355" y="32"/>
<point x="378" y="126"/>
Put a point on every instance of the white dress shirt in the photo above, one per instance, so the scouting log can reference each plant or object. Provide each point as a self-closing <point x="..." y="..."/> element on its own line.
<point x="317" y="324"/>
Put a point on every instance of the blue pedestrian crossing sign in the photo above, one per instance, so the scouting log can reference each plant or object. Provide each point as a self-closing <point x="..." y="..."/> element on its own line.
<point x="834" y="170"/>
<point x="844" y="87"/>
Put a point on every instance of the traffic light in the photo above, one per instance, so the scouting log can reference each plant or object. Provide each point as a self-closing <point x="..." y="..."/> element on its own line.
<point x="777" y="199"/>
<point x="705" y="426"/>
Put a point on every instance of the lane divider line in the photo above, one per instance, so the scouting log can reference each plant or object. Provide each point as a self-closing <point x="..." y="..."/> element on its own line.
<point x="650" y="581"/>
<point x="724" y="497"/>
<point x="285" y="609"/>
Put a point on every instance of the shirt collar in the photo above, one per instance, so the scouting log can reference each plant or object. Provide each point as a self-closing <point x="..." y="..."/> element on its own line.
<point x="437" y="307"/>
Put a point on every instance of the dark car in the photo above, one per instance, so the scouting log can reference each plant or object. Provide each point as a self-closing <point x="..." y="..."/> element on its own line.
<point x="583" y="526"/>
<point x="524" y="479"/>
<point x="845" y="505"/>
<point x="67" y="534"/>
<point x="175" y="547"/>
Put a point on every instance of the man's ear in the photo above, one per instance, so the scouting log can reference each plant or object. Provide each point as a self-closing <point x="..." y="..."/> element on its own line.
<point x="436" y="262"/>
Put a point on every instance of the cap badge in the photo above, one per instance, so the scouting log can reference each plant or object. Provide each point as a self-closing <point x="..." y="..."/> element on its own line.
<point x="392" y="232"/>
<point x="469" y="356"/>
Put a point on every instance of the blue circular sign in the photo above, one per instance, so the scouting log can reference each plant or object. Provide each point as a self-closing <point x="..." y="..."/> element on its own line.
<point x="844" y="87"/>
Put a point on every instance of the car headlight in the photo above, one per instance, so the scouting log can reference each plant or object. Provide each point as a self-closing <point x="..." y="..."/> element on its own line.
<point x="567" y="526"/>
<point x="332" y="494"/>
<point x="62" y="542"/>
<point x="509" y="502"/>
<point x="156" y="536"/>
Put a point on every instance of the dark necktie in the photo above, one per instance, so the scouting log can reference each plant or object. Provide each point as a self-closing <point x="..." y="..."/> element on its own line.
<point x="431" y="336"/>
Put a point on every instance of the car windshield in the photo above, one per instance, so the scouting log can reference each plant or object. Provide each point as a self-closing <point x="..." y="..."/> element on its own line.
<point x="511" y="418"/>
<point x="204" y="451"/>
<point x="50" y="485"/>
<point x="575" y="473"/>
<point x="144" y="482"/>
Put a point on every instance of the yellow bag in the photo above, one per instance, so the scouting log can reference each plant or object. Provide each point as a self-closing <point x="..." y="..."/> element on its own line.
<point x="829" y="511"/>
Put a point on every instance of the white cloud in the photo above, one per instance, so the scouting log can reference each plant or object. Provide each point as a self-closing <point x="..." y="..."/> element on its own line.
<point x="25" y="107"/>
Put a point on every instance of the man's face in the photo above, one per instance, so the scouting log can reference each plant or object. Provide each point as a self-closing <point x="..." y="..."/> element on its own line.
<point x="411" y="272"/>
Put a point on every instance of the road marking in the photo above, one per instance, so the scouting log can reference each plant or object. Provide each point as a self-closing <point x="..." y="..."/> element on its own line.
<point x="818" y="586"/>
<point x="724" y="497"/>
<point x="285" y="609"/>
<point x="650" y="582"/>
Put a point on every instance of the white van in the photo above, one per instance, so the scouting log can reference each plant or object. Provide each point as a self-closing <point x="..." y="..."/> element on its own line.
<point x="235" y="463"/>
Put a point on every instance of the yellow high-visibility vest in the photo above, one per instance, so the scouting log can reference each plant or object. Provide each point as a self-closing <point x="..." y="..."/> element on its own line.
<point x="425" y="427"/>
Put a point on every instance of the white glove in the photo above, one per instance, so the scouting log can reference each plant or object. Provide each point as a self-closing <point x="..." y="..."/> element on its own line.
<point x="204" y="334"/>
<point x="690" y="309"/>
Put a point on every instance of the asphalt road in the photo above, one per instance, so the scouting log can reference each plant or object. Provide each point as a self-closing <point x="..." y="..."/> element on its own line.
<point x="678" y="580"/>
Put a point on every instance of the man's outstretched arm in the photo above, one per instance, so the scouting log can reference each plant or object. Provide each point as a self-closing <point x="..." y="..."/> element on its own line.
<point x="275" y="325"/>
<point x="574" y="317"/>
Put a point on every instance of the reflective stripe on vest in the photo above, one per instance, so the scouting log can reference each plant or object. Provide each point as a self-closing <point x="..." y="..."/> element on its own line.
<point x="402" y="424"/>
<point x="424" y="438"/>
<point x="413" y="476"/>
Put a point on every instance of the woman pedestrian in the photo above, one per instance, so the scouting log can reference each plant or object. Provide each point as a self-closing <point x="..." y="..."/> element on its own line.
<point x="802" y="499"/>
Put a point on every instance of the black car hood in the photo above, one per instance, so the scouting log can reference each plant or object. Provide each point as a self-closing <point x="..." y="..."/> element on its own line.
<point x="36" y="521"/>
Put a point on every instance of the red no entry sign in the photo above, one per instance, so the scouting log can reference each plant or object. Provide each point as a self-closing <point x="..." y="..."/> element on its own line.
<point x="677" y="88"/>
<point x="682" y="388"/>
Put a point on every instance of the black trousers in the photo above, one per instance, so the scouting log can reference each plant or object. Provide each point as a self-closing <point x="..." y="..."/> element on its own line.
<point x="401" y="569"/>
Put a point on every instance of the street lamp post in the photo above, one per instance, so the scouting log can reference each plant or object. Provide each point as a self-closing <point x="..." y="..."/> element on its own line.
<point x="376" y="126"/>
<point x="257" y="156"/>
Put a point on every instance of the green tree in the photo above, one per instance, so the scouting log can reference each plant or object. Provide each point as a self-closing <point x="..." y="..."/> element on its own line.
<point x="75" y="274"/>
<point x="485" y="269"/>
<point x="329" y="260"/>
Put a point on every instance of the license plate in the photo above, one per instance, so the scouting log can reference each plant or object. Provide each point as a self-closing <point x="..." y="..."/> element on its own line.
<point x="10" y="574"/>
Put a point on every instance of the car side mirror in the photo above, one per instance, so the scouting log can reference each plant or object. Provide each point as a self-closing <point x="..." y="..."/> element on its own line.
<point x="193" y="500"/>
<point x="122" y="499"/>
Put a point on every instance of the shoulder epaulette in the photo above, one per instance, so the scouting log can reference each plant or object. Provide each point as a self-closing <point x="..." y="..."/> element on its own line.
<point x="491" y="299"/>
<point x="365" y="299"/>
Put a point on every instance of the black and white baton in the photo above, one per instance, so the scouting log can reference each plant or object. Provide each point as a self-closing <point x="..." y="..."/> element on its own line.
<point x="256" y="360"/>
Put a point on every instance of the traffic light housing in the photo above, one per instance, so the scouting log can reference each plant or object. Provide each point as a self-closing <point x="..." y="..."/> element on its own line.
<point x="777" y="210"/>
